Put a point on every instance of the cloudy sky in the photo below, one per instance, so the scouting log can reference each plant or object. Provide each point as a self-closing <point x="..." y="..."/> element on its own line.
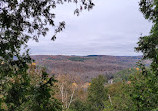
<point x="111" y="28"/>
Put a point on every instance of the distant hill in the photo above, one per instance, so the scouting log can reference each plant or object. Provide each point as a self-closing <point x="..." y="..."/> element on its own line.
<point x="86" y="67"/>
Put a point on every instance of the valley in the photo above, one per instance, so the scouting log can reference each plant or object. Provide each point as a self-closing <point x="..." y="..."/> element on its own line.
<point x="86" y="67"/>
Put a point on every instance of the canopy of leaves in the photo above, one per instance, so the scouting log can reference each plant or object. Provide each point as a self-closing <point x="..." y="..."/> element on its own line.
<point x="97" y="93"/>
<point x="144" y="89"/>
<point x="119" y="98"/>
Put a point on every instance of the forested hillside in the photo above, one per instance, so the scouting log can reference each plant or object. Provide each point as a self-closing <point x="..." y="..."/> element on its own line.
<point x="86" y="67"/>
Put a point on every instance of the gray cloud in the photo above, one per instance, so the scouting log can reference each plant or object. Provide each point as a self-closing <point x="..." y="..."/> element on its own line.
<point x="111" y="28"/>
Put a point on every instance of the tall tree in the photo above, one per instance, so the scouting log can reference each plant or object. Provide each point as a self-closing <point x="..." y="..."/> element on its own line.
<point x="148" y="44"/>
<point x="97" y="94"/>
<point x="145" y="85"/>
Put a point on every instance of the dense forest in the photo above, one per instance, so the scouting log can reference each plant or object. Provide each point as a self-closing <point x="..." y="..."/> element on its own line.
<point x="25" y="86"/>
<point x="87" y="67"/>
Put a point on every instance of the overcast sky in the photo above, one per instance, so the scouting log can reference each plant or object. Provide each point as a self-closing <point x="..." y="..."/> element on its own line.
<point x="111" y="28"/>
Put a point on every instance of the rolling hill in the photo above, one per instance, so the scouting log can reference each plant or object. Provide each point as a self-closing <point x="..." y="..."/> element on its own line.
<point x="86" y="67"/>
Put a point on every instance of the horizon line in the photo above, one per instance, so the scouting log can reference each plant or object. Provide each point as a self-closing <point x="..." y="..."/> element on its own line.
<point x="80" y="55"/>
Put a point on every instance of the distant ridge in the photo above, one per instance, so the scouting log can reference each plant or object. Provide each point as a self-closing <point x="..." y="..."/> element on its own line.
<point x="94" y="55"/>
